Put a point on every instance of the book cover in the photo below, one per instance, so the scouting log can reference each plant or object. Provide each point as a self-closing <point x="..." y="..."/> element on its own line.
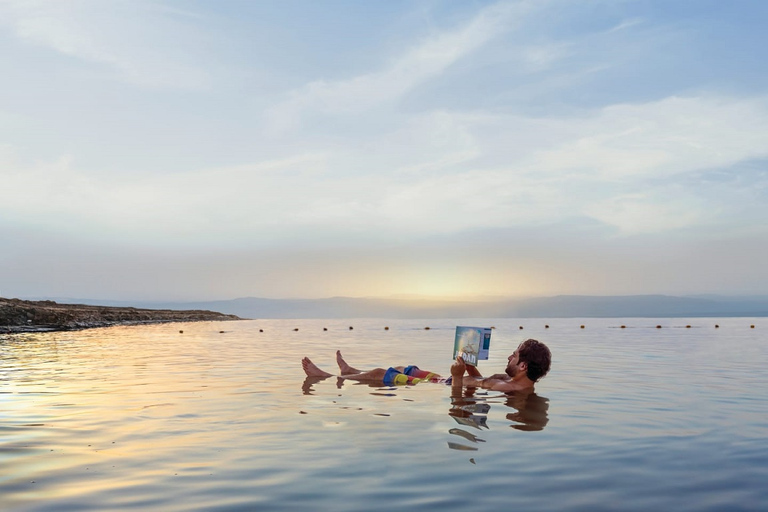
<point x="472" y="343"/>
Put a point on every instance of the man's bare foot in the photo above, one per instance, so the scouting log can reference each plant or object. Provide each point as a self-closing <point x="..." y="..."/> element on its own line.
<point x="344" y="367"/>
<point x="312" y="370"/>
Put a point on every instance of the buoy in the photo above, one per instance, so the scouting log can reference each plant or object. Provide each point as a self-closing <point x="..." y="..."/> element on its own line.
<point x="546" y="326"/>
<point x="296" y="329"/>
<point x="426" y="328"/>
<point x="582" y="326"/>
<point x="386" y="328"/>
<point x="658" y="327"/>
<point x="687" y="326"/>
<point x="751" y="326"/>
<point x="181" y="332"/>
<point x="350" y="327"/>
<point x="623" y="326"/>
<point x="261" y="330"/>
<point x="521" y="327"/>
<point x="325" y="328"/>
<point x="717" y="326"/>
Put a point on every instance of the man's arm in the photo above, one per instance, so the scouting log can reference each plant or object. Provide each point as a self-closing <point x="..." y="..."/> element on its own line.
<point x="472" y="371"/>
<point x="477" y="381"/>
<point x="498" y="385"/>
<point x="458" y="368"/>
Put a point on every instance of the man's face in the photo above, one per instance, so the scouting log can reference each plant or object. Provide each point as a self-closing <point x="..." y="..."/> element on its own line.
<point x="513" y="365"/>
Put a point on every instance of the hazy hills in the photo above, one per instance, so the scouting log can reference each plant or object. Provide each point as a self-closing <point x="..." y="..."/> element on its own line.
<point x="561" y="306"/>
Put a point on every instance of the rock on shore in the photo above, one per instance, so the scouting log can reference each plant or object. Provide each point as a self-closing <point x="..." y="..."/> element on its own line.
<point x="33" y="316"/>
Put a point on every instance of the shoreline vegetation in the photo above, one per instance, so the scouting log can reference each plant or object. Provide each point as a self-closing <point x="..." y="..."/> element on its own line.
<point x="19" y="316"/>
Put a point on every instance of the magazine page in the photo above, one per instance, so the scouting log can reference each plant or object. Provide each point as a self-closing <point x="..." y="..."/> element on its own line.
<point x="472" y="343"/>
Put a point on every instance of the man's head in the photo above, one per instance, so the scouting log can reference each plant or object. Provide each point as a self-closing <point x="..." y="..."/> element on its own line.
<point x="531" y="357"/>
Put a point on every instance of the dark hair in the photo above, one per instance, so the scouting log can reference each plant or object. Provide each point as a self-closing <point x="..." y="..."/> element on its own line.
<point x="537" y="356"/>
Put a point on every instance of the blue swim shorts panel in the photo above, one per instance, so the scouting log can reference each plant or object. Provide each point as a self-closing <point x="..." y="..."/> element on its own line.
<point x="409" y="369"/>
<point x="389" y="377"/>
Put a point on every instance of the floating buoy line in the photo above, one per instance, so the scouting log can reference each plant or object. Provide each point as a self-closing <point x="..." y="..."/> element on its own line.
<point x="546" y="326"/>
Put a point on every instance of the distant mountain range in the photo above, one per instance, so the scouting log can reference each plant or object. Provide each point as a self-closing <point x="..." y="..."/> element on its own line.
<point x="561" y="306"/>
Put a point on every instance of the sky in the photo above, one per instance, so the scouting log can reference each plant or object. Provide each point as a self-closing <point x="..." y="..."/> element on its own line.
<point x="202" y="150"/>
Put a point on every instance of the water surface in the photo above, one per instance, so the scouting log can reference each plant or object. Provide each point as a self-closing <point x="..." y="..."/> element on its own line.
<point x="150" y="418"/>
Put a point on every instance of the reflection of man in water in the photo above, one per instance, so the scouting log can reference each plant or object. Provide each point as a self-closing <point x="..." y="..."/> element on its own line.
<point x="530" y="414"/>
<point x="531" y="411"/>
<point x="529" y="363"/>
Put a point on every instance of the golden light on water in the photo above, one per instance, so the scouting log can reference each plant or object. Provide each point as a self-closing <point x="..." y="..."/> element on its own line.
<point x="118" y="418"/>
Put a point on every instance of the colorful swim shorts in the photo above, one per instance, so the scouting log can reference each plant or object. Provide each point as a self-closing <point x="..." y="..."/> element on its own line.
<point x="394" y="377"/>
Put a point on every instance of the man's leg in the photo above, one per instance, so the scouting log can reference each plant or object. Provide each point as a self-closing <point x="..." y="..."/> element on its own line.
<point x="312" y="370"/>
<point x="388" y="376"/>
<point x="415" y="371"/>
<point x="344" y="367"/>
<point x="377" y="375"/>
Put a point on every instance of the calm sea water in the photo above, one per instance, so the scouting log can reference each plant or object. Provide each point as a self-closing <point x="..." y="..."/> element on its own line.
<point x="148" y="418"/>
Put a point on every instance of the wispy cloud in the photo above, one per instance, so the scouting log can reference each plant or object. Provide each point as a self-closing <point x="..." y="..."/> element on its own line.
<point x="649" y="212"/>
<point x="427" y="59"/>
<point x="140" y="42"/>
<point x="671" y="136"/>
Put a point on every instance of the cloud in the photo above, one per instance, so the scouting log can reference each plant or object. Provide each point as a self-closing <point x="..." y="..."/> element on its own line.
<point x="427" y="59"/>
<point x="626" y="166"/>
<point x="624" y="25"/>
<point x="369" y="167"/>
<point x="648" y="213"/>
<point x="144" y="44"/>
<point x="671" y="136"/>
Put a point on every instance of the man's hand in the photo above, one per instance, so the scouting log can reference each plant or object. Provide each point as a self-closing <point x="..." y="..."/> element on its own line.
<point x="458" y="368"/>
<point x="472" y="371"/>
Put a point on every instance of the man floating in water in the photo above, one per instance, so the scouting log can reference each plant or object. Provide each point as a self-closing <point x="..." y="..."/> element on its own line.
<point x="529" y="363"/>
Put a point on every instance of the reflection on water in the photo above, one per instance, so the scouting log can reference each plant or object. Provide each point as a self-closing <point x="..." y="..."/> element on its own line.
<point x="468" y="408"/>
<point x="307" y="388"/>
<point x="471" y="409"/>
<point x="151" y="418"/>
<point x="531" y="411"/>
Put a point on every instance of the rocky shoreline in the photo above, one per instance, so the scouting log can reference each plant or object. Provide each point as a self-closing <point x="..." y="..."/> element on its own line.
<point x="41" y="316"/>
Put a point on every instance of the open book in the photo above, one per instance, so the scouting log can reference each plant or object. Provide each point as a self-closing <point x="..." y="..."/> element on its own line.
<point x="472" y="343"/>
